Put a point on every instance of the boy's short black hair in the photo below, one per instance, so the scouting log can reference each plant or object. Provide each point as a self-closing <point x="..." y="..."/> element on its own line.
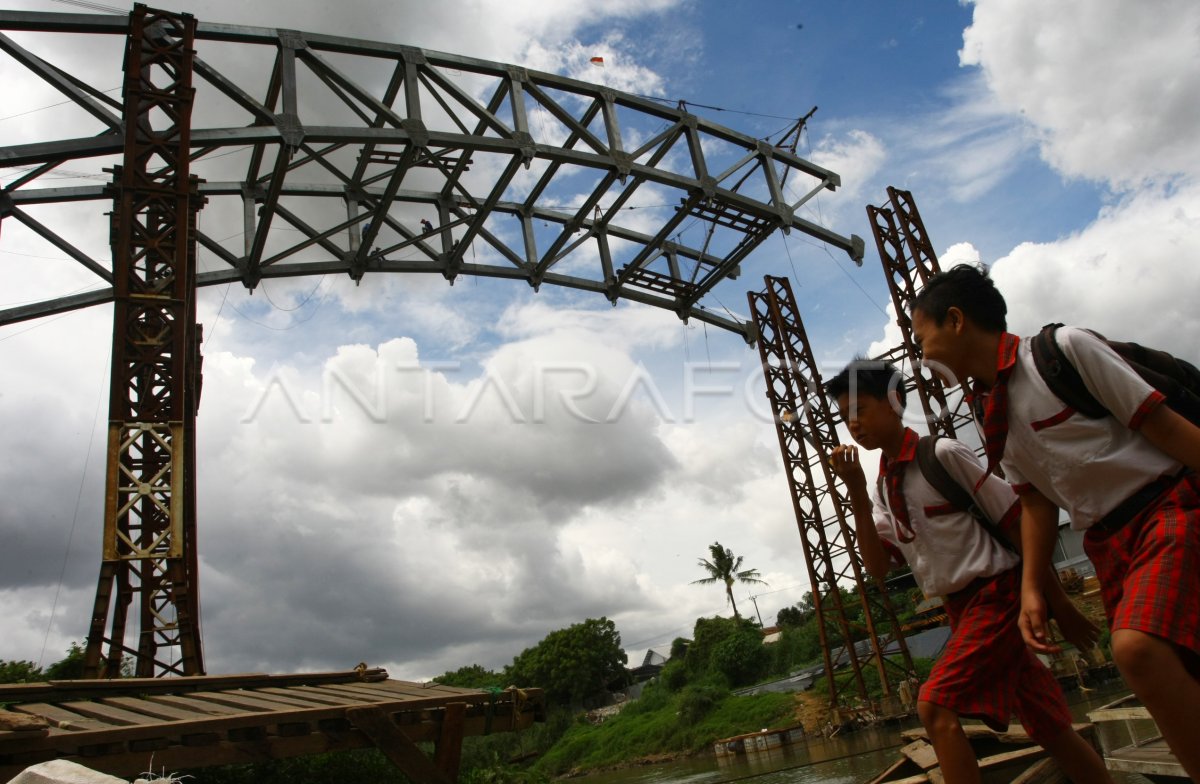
<point x="968" y="288"/>
<point x="872" y="377"/>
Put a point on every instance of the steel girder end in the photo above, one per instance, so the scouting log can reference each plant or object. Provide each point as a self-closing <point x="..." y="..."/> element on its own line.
<point x="528" y="146"/>
<point x="250" y="277"/>
<point x="750" y="333"/>
<point x="857" y="249"/>
<point x="611" y="291"/>
<point x="417" y="132"/>
<point x="623" y="164"/>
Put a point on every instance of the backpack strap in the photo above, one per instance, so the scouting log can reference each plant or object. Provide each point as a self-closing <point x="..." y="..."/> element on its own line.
<point x="1061" y="376"/>
<point x="936" y="475"/>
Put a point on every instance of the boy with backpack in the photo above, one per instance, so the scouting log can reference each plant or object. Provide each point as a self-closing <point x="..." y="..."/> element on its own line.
<point x="985" y="670"/>
<point x="1127" y="478"/>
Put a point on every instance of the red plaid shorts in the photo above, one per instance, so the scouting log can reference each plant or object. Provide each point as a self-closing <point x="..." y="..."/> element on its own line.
<point x="1149" y="569"/>
<point x="986" y="672"/>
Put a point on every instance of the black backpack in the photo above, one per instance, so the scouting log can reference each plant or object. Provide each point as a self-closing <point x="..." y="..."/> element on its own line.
<point x="1178" y="380"/>
<point x="936" y="475"/>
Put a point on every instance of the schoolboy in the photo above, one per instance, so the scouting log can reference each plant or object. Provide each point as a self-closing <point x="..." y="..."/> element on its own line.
<point x="985" y="670"/>
<point x="1129" y="480"/>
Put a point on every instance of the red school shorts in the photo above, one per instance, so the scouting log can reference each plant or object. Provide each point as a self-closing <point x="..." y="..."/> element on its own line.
<point x="1149" y="569"/>
<point x="987" y="672"/>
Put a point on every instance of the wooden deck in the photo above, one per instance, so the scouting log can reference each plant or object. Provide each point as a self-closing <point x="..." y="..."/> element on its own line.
<point x="117" y="726"/>
<point x="1132" y="742"/>
<point x="1004" y="757"/>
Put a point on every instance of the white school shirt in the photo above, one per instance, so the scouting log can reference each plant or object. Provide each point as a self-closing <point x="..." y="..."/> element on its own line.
<point x="950" y="548"/>
<point x="1085" y="466"/>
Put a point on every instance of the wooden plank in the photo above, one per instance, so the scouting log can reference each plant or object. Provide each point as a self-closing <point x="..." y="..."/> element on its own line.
<point x="156" y="710"/>
<point x="243" y="700"/>
<point x="921" y="753"/>
<point x="315" y="694"/>
<point x="395" y="745"/>
<point x="193" y="703"/>
<point x="1153" y="758"/>
<point x="367" y="695"/>
<point x="1119" y="714"/>
<point x="286" y="697"/>
<point x="888" y="776"/>
<point x="1044" y="772"/>
<point x="21" y="722"/>
<point x="56" y="691"/>
<point x="109" y="714"/>
<point x="447" y="753"/>
<point x="423" y="689"/>
<point x="1009" y="757"/>
<point x="58" y="717"/>
<point x="93" y="732"/>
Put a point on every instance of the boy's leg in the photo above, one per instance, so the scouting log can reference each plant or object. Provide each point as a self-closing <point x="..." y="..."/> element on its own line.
<point x="955" y="756"/>
<point x="1155" y="671"/>
<point x="1149" y="573"/>
<point x="1042" y="709"/>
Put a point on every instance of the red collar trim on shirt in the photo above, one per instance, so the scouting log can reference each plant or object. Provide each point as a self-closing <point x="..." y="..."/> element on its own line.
<point x="1007" y="352"/>
<point x="1006" y="359"/>
<point x="908" y="450"/>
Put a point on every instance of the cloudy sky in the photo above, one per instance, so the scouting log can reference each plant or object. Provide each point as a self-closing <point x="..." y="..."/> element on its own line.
<point x="423" y="477"/>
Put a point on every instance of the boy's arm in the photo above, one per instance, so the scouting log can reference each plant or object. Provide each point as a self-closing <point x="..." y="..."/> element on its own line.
<point x="995" y="496"/>
<point x="1039" y="530"/>
<point x="1173" y="435"/>
<point x="845" y="464"/>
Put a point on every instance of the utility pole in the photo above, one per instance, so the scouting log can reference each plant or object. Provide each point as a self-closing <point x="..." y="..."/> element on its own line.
<point x="756" y="612"/>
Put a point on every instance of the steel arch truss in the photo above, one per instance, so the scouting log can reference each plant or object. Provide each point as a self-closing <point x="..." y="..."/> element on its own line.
<point x="806" y="426"/>
<point x="322" y="154"/>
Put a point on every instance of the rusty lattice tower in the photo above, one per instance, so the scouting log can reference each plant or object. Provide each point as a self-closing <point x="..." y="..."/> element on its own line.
<point x="908" y="262"/>
<point x="149" y="511"/>
<point x="806" y="426"/>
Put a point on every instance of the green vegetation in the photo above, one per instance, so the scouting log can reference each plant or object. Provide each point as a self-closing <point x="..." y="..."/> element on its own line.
<point x="27" y="672"/>
<point x="662" y="721"/>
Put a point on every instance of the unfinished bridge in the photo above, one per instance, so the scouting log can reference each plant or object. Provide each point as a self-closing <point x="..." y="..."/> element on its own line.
<point x="377" y="158"/>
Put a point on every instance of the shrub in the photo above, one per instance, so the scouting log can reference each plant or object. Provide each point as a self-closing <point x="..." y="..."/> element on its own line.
<point x="740" y="657"/>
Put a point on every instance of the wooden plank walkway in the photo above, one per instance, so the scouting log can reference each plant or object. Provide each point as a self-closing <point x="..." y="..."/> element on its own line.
<point x="1132" y="742"/>
<point x="116" y="726"/>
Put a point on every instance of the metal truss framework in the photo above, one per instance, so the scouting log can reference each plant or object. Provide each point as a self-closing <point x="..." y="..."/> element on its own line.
<point x="806" y="426"/>
<point x="149" y="514"/>
<point x="908" y="262"/>
<point x="434" y="155"/>
<point x="429" y="156"/>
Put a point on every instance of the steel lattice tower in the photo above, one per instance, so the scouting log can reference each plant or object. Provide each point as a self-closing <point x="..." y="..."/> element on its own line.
<point x="908" y="262"/>
<point x="806" y="426"/>
<point x="149" y="513"/>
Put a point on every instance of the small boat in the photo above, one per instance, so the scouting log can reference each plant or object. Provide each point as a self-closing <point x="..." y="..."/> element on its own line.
<point x="1131" y="742"/>
<point x="1008" y="757"/>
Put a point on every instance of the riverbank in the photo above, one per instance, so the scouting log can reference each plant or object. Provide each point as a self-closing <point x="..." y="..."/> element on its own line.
<point x="850" y="758"/>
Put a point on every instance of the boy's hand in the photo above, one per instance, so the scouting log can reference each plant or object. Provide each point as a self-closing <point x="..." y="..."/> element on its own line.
<point x="844" y="462"/>
<point x="1032" y="621"/>
<point x="1074" y="625"/>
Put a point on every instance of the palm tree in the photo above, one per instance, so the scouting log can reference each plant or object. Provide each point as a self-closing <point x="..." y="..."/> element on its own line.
<point x="723" y="568"/>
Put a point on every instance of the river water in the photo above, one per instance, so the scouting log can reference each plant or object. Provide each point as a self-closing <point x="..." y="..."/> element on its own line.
<point x="844" y="760"/>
